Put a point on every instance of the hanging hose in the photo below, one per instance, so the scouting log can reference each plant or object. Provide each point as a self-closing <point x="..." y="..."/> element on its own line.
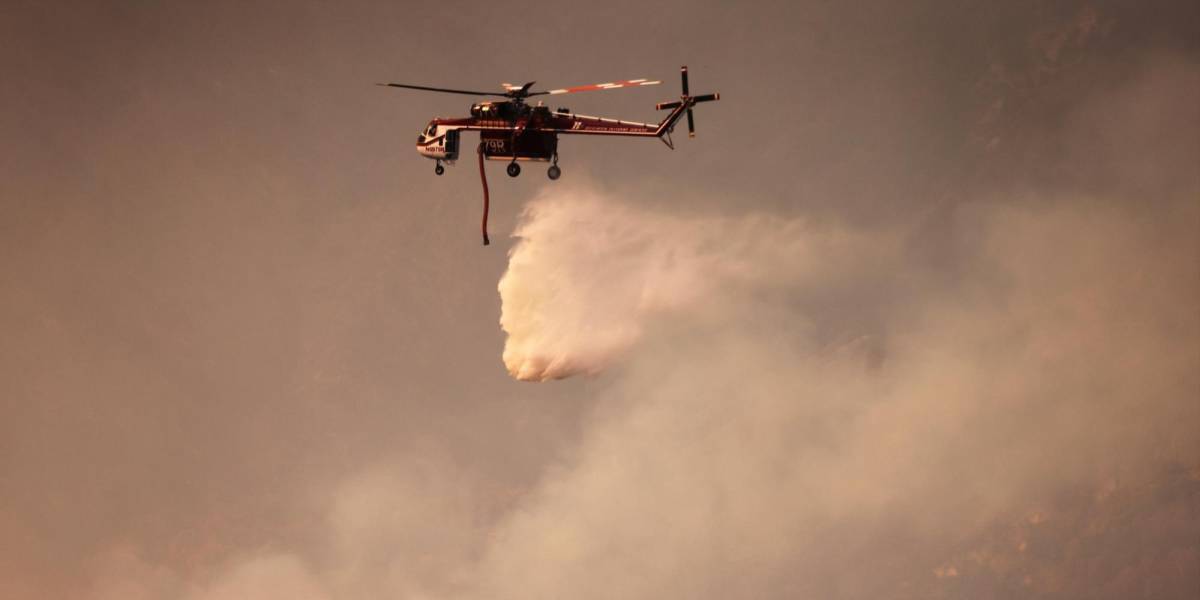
<point x="483" y="178"/>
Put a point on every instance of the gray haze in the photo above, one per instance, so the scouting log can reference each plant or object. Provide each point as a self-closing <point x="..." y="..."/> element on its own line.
<point x="914" y="316"/>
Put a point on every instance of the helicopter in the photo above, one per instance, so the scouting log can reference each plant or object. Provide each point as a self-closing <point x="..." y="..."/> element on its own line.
<point x="513" y="130"/>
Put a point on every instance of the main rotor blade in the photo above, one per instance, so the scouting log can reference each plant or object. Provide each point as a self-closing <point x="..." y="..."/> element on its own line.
<point x="598" y="86"/>
<point x="444" y="90"/>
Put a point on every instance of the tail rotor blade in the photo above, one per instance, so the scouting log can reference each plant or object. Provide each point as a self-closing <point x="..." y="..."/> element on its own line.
<point x="691" y="120"/>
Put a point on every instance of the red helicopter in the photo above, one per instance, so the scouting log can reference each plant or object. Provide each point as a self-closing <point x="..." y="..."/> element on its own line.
<point x="513" y="130"/>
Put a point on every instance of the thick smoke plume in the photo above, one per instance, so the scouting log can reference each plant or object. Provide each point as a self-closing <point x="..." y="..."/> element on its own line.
<point x="828" y="411"/>
<point x="797" y="410"/>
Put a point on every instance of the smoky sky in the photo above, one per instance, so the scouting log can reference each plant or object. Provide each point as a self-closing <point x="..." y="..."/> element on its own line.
<point x="251" y="345"/>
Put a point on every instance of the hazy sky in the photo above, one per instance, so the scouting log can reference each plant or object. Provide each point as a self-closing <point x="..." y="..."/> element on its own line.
<point x="913" y="316"/>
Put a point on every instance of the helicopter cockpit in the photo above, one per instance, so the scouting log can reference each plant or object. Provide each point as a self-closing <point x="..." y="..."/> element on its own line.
<point x="429" y="132"/>
<point x="443" y="147"/>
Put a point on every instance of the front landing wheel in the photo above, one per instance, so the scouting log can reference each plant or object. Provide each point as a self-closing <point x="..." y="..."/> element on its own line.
<point x="439" y="169"/>
<point x="554" y="173"/>
<point x="514" y="169"/>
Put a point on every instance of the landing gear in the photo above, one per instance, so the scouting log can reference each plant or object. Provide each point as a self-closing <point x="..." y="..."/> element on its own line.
<point x="513" y="169"/>
<point x="554" y="172"/>
<point x="439" y="169"/>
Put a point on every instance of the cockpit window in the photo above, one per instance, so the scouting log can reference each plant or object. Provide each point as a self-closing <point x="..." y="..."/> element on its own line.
<point x="431" y="130"/>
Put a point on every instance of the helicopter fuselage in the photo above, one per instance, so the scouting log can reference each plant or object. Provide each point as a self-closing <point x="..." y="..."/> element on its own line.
<point x="512" y="130"/>
<point x="517" y="131"/>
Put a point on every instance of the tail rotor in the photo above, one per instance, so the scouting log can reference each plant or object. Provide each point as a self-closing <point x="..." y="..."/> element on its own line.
<point x="689" y="100"/>
<point x="691" y="120"/>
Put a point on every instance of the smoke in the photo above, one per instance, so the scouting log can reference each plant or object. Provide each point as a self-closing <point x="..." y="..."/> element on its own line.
<point x="795" y="409"/>
<point x="404" y="528"/>
<point x="821" y="410"/>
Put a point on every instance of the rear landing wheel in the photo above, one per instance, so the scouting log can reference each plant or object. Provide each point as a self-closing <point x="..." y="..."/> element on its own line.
<point x="439" y="169"/>
<point x="554" y="172"/>
<point x="514" y="169"/>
